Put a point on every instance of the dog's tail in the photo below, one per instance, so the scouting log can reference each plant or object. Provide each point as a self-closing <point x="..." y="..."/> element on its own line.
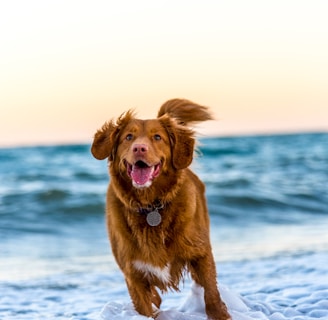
<point x="185" y="111"/>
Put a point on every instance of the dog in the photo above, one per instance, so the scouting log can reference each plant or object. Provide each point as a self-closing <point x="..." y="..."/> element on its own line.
<point x="156" y="210"/>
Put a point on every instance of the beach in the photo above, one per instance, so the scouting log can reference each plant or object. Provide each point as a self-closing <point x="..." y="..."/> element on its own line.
<point x="268" y="203"/>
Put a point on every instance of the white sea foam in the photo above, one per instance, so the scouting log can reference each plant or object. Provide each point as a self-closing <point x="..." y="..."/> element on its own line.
<point x="313" y="306"/>
<point x="192" y="309"/>
<point x="281" y="288"/>
<point x="278" y="288"/>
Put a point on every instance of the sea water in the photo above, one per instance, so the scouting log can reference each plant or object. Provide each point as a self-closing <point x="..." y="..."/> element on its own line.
<point x="268" y="203"/>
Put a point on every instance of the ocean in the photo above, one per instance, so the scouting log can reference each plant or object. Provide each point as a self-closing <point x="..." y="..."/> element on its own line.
<point x="268" y="203"/>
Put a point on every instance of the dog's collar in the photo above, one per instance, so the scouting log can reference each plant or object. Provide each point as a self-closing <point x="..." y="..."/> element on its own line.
<point x="157" y="205"/>
<point x="153" y="216"/>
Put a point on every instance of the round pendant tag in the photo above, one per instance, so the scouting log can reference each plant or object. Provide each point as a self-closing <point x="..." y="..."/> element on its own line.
<point x="154" y="218"/>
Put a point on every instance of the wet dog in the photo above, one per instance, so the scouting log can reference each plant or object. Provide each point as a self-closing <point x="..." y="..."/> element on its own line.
<point x="156" y="209"/>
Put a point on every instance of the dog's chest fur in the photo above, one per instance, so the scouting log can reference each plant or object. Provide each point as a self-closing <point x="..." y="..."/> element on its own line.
<point x="150" y="271"/>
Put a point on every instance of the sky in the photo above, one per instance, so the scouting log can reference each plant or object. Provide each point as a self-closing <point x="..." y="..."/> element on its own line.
<point x="68" y="66"/>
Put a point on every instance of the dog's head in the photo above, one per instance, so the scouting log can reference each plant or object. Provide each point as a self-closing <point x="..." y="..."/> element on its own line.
<point x="148" y="150"/>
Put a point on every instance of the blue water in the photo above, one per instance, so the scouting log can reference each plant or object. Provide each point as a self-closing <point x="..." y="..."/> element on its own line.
<point x="267" y="197"/>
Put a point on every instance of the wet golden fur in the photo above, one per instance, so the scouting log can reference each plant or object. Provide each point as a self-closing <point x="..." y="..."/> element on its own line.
<point x="181" y="241"/>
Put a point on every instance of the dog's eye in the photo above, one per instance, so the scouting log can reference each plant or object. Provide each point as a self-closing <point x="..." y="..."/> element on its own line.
<point x="129" y="137"/>
<point x="157" y="137"/>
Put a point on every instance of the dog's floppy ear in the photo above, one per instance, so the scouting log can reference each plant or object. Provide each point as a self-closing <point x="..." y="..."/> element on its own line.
<point x="176" y="115"/>
<point x="182" y="142"/>
<point x="105" y="140"/>
<point x="183" y="148"/>
<point x="185" y="111"/>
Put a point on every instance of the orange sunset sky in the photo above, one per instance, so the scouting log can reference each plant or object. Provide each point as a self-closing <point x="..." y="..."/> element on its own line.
<point x="67" y="66"/>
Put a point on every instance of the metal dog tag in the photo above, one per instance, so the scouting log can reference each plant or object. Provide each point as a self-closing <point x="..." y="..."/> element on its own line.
<point x="154" y="218"/>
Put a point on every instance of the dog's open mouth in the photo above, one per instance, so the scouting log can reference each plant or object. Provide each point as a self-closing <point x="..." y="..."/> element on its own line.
<point x="142" y="174"/>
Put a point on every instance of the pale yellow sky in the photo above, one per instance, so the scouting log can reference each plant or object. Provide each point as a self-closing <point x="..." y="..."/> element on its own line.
<point x="67" y="66"/>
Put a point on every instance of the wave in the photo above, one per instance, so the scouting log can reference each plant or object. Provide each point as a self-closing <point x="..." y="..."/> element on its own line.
<point x="268" y="179"/>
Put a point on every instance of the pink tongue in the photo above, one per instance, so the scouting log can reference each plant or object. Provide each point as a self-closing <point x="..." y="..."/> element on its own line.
<point x="141" y="175"/>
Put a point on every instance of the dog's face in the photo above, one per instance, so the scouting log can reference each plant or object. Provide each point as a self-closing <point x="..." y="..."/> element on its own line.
<point x="144" y="150"/>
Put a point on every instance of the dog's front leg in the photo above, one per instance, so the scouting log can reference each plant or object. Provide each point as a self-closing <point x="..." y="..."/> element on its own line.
<point x="143" y="296"/>
<point x="203" y="272"/>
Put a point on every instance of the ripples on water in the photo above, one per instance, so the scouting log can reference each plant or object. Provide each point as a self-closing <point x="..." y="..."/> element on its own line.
<point x="261" y="180"/>
<point x="270" y="177"/>
<point x="268" y="199"/>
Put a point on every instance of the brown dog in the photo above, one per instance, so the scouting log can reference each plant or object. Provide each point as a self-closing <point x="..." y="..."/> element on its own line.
<point x="156" y="209"/>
